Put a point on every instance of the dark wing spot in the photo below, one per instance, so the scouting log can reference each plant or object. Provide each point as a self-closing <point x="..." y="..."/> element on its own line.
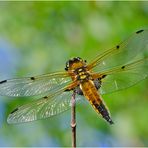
<point x="3" y="81"/>
<point x="32" y="78"/>
<point x="139" y="31"/>
<point x="14" y="111"/>
<point x="45" y="97"/>
<point x="104" y="76"/>
<point x="68" y="89"/>
<point x="122" y="67"/>
<point x="117" y="46"/>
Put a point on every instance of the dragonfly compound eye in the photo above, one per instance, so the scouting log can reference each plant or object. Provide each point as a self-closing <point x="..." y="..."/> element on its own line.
<point x="67" y="65"/>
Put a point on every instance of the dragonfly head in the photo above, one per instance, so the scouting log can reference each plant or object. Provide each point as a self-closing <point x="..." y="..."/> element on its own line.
<point x="75" y="63"/>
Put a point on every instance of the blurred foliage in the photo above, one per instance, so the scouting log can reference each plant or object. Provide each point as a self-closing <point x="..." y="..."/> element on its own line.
<point x="39" y="37"/>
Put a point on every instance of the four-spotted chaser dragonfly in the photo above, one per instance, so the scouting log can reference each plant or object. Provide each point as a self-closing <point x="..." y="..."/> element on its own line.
<point x="114" y="69"/>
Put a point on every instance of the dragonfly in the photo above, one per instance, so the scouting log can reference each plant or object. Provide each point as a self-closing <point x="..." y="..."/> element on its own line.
<point x="111" y="70"/>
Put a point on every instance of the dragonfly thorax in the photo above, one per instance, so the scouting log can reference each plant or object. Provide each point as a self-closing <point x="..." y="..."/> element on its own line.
<point x="82" y="74"/>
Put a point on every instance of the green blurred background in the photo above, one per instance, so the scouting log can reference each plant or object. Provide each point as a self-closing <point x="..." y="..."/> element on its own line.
<point x="39" y="37"/>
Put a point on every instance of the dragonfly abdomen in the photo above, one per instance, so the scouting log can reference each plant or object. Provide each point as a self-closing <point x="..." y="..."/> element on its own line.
<point x="103" y="111"/>
<point x="91" y="93"/>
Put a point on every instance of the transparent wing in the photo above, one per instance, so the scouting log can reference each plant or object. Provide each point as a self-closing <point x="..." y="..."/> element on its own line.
<point x="34" y="85"/>
<point x="42" y="108"/>
<point x="132" y="49"/>
<point x="124" y="76"/>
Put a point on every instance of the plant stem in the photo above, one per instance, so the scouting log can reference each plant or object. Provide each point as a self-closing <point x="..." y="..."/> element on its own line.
<point x="73" y="119"/>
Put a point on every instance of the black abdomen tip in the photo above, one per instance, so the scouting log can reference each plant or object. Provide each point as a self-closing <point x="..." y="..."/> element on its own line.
<point x="110" y="121"/>
<point x="104" y="112"/>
